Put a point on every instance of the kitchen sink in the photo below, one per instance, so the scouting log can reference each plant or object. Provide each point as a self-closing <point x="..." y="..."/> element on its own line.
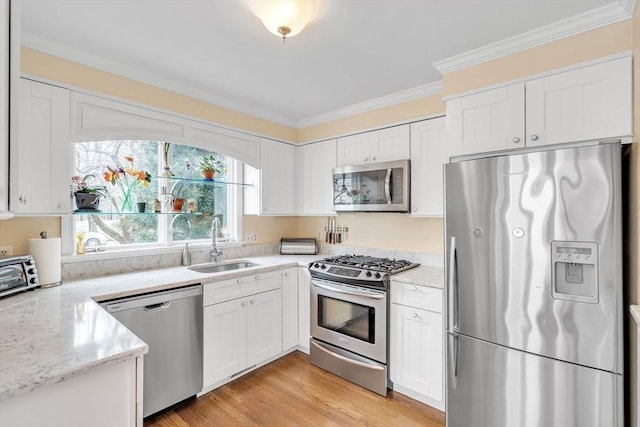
<point x="223" y="266"/>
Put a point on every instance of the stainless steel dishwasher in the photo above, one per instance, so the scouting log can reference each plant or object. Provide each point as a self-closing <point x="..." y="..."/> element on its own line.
<point x="170" y="322"/>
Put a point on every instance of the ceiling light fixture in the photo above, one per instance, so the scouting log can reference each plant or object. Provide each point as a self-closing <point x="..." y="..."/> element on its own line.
<point x="285" y="18"/>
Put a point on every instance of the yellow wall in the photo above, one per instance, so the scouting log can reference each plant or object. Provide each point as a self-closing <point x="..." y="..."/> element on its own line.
<point x="376" y="118"/>
<point x="583" y="47"/>
<point x="17" y="231"/>
<point x="384" y="231"/>
<point x="54" y="68"/>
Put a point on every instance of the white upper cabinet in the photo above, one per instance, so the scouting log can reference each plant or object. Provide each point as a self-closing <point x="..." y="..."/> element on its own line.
<point x="587" y="103"/>
<point x="429" y="152"/>
<point x="272" y="191"/>
<point x="382" y="145"/>
<point x="487" y="121"/>
<point x="41" y="155"/>
<point x="314" y="177"/>
<point x="590" y="102"/>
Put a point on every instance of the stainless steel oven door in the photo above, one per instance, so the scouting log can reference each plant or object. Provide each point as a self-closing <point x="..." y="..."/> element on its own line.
<point x="350" y="317"/>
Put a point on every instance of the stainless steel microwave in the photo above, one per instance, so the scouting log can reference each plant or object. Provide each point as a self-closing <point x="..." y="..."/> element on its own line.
<point x="372" y="187"/>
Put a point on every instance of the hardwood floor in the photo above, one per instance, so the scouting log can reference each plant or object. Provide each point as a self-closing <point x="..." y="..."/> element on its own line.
<point x="292" y="392"/>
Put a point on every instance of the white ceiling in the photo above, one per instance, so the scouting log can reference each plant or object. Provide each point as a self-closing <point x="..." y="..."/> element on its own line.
<point x="218" y="51"/>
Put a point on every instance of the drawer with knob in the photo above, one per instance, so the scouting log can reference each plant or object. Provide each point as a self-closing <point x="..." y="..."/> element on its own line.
<point x="422" y="297"/>
<point x="225" y="290"/>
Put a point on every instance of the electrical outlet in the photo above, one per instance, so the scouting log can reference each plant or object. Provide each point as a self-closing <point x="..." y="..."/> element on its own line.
<point x="6" y="251"/>
<point x="319" y="235"/>
<point x="251" y="237"/>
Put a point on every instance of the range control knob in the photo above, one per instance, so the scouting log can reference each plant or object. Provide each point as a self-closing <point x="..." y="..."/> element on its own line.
<point x="32" y="271"/>
<point x="29" y="261"/>
<point x="323" y="266"/>
<point x="316" y="265"/>
<point x="368" y="274"/>
<point x="377" y="275"/>
<point x="33" y="280"/>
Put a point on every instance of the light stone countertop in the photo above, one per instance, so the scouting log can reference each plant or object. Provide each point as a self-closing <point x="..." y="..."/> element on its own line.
<point x="51" y="335"/>
<point x="635" y="312"/>
<point x="423" y="275"/>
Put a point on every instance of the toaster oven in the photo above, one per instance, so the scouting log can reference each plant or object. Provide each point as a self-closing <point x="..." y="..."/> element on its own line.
<point x="17" y="274"/>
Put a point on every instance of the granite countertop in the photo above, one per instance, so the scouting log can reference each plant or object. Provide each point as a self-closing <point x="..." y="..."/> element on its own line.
<point x="50" y="335"/>
<point x="423" y="275"/>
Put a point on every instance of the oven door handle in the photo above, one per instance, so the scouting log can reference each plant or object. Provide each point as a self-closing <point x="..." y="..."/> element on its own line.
<point x="346" y="359"/>
<point x="349" y="292"/>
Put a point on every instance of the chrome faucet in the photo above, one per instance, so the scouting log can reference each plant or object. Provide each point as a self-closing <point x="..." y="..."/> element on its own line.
<point x="215" y="252"/>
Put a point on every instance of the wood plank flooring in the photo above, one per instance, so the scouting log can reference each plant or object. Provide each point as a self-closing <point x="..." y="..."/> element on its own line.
<point x="292" y="392"/>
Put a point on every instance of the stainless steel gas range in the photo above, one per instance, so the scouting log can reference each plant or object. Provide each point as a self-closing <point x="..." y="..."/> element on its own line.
<point x="350" y="317"/>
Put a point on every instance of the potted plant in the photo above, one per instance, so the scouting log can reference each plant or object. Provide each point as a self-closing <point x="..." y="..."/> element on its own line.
<point x="177" y="202"/>
<point x="87" y="197"/>
<point x="210" y="165"/>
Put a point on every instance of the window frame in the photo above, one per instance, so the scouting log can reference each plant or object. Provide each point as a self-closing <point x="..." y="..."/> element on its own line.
<point x="165" y="243"/>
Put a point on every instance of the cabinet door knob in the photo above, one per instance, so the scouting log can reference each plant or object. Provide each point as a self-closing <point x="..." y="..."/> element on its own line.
<point x="244" y="303"/>
<point x="415" y="209"/>
<point x="366" y="159"/>
<point x="534" y="137"/>
<point x="60" y="205"/>
<point x="253" y="301"/>
<point x="414" y="288"/>
<point x="257" y="277"/>
<point x="286" y="274"/>
<point x="516" y="140"/>
<point x="414" y="315"/>
<point x="373" y="158"/>
<point x="239" y="281"/>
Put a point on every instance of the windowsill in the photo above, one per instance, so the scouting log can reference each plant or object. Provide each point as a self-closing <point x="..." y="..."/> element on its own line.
<point x="136" y="252"/>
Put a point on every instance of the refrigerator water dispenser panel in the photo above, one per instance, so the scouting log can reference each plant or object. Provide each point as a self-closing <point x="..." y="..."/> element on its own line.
<point x="574" y="271"/>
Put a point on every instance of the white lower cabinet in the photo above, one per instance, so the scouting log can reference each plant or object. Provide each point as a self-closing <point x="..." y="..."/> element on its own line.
<point x="104" y="397"/>
<point x="417" y="335"/>
<point x="289" y="308"/>
<point x="304" y="308"/>
<point x="242" y="325"/>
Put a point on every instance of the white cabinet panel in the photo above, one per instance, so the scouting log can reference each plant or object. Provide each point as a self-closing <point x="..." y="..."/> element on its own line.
<point x="487" y="121"/>
<point x="587" y="103"/>
<point x="389" y="144"/>
<point x="95" y="119"/>
<point x="4" y="106"/>
<point x="416" y="342"/>
<point x="315" y="163"/>
<point x="41" y="155"/>
<point x="429" y="152"/>
<point x="381" y="145"/>
<point x="264" y="326"/>
<point x="417" y="351"/>
<point x="304" y="308"/>
<point x="243" y="147"/>
<point x="273" y="193"/>
<point x="225" y="340"/>
<point x="289" y="308"/>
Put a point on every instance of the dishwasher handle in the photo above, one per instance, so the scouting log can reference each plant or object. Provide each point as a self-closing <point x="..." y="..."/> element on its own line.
<point x="158" y="306"/>
<point x="153" y="301"/>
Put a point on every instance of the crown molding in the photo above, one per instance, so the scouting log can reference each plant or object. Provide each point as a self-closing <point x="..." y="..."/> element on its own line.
<point x="91" y="60"/>
<point x="596" y="18"/>
<point x="373" y="104"/>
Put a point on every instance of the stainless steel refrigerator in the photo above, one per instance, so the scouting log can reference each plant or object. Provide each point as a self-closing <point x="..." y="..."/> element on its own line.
<point x="534" y="288"/>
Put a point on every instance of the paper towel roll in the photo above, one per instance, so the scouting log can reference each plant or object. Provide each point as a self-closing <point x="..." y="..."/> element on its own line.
<point x="46" y="253"/>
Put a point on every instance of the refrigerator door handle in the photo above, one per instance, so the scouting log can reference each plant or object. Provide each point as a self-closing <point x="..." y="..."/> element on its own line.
<point x="454" y="315"/>
<point x="453" y="359"/>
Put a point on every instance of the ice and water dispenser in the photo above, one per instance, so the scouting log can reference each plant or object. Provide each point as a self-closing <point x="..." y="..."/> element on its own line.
<point x="574" y="271"/>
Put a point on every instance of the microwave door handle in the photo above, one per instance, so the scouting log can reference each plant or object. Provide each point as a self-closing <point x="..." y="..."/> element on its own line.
<point x="387" y="186"/>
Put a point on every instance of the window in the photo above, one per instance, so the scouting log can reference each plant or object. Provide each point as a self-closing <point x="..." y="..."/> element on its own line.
<point x="122" y="166"/>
